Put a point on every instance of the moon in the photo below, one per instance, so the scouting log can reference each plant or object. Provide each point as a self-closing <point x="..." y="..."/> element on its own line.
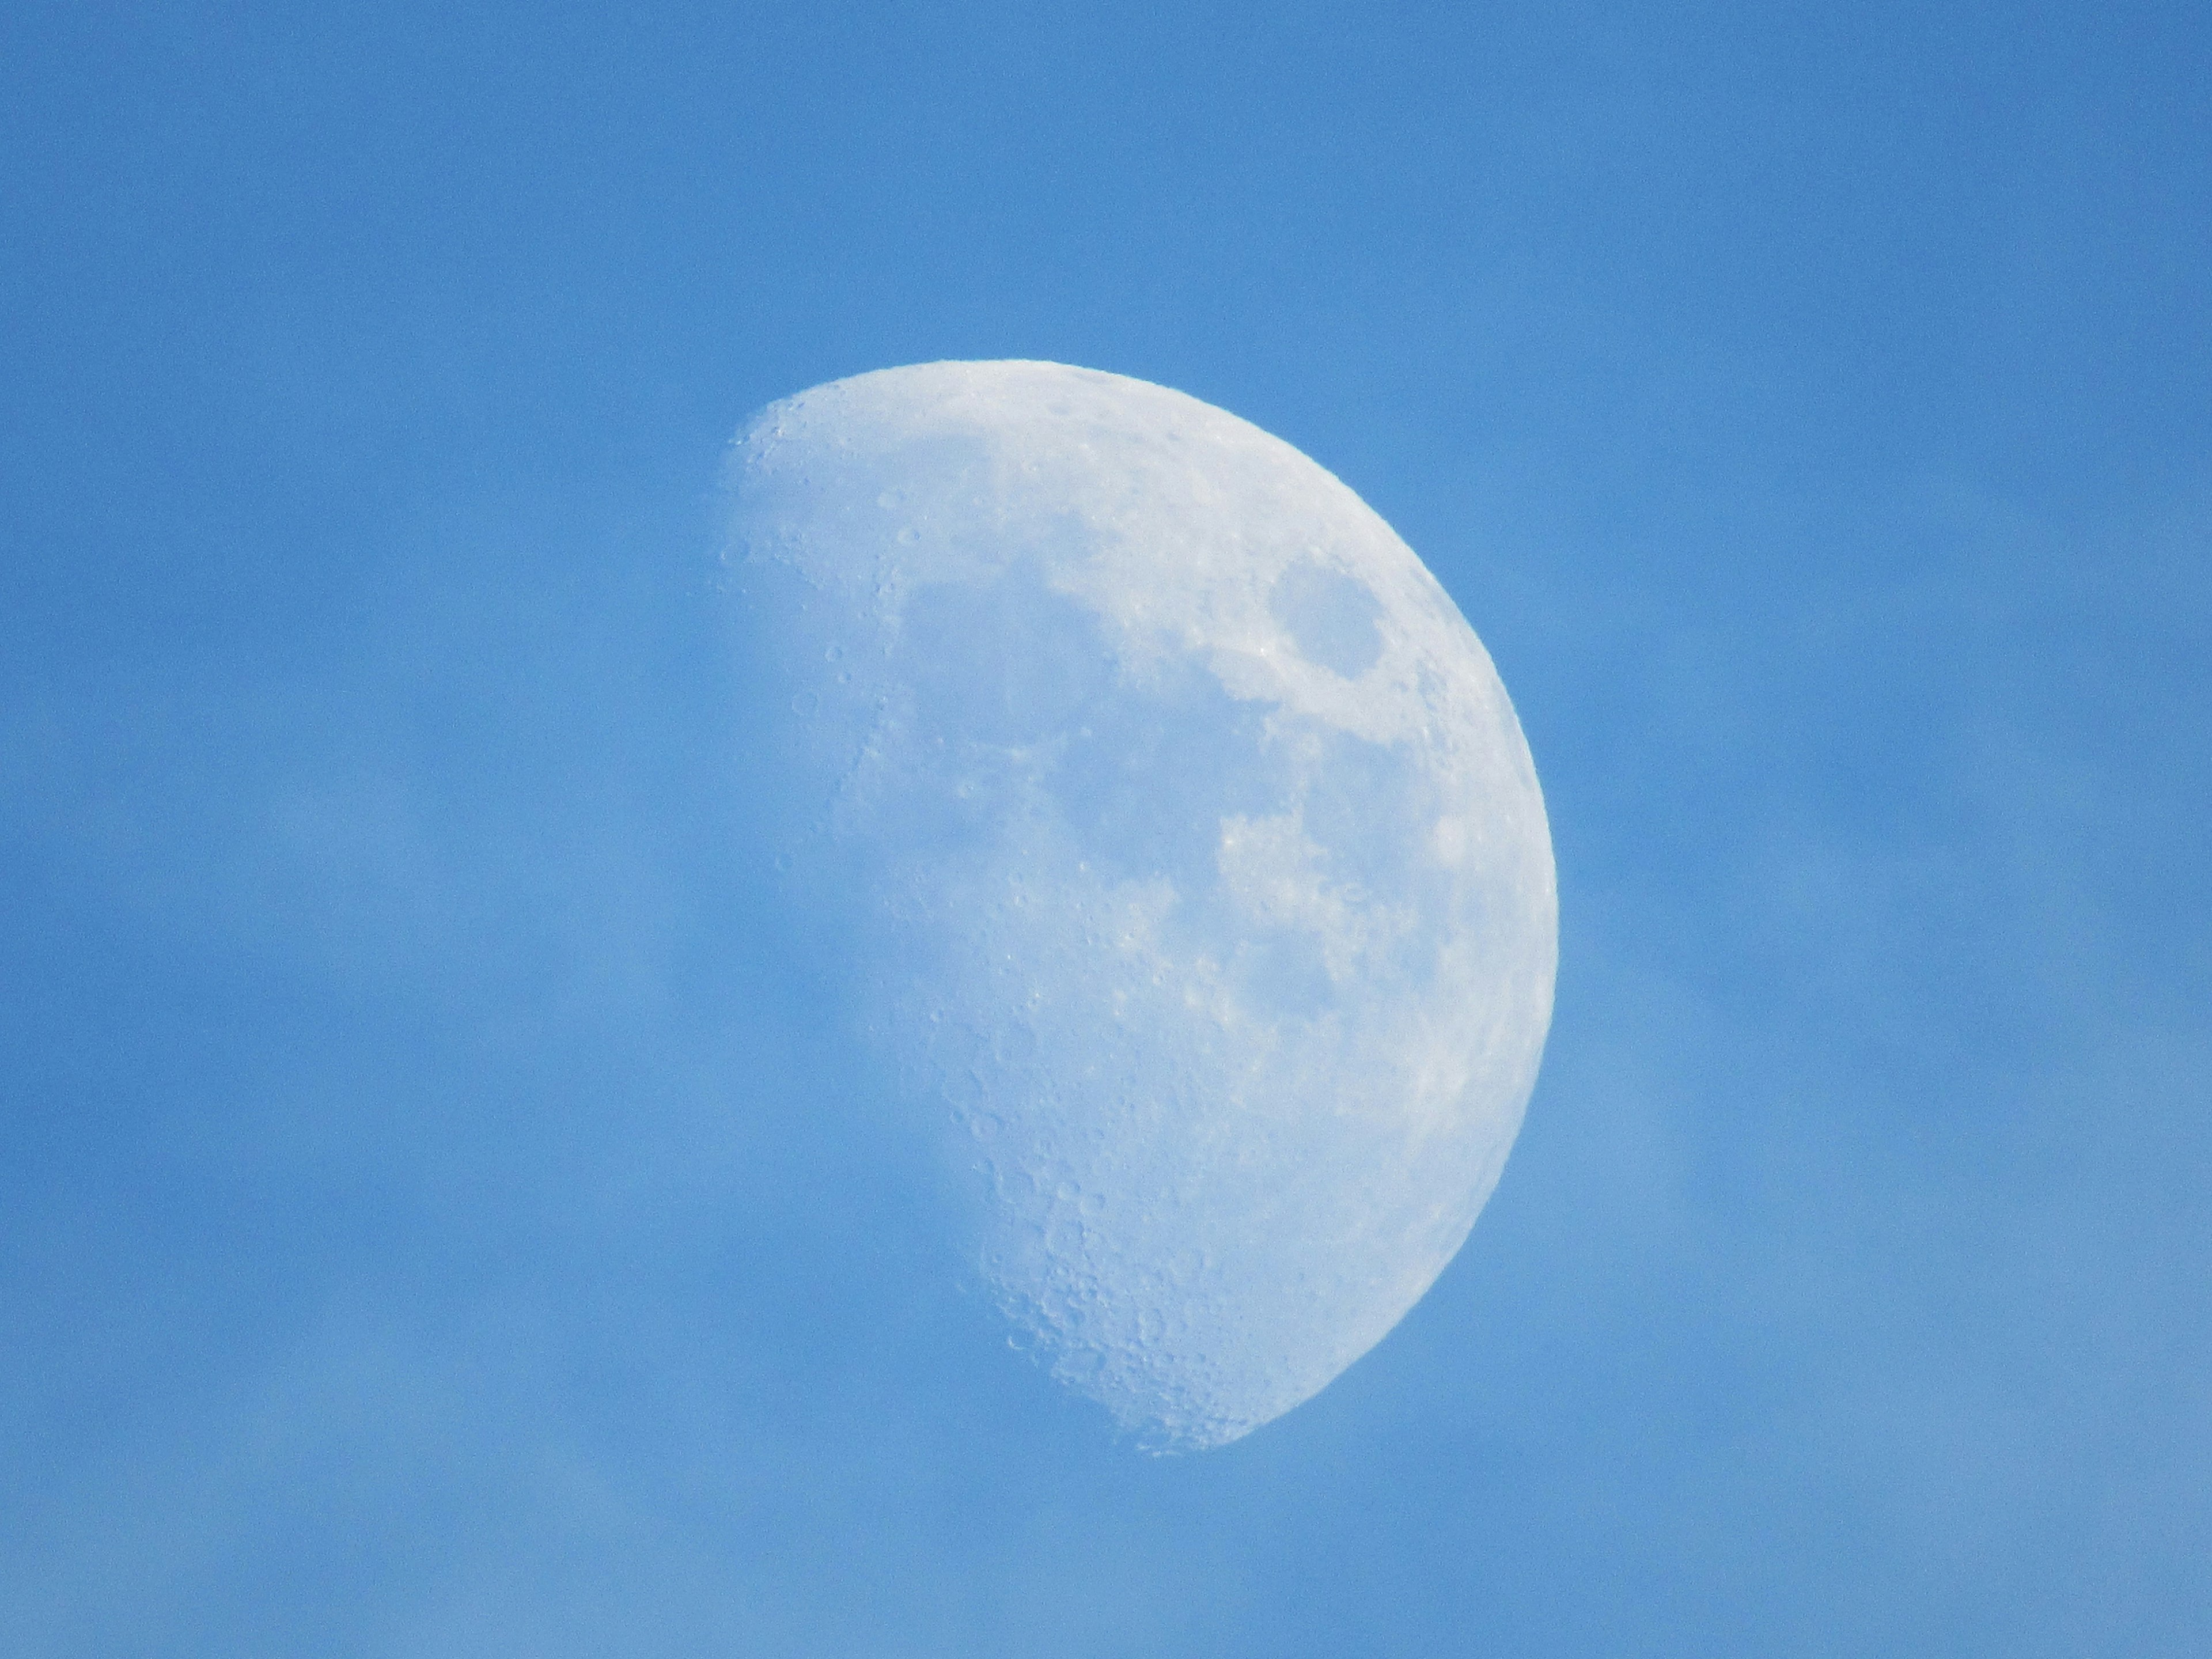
<point x="1185" y="846"/>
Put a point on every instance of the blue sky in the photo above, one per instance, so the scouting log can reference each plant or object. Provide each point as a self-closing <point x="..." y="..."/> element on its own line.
<point x="433" y="1221"/>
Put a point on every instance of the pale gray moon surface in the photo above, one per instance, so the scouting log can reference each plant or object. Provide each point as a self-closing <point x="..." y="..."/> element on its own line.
<point x="1192" y="845"/>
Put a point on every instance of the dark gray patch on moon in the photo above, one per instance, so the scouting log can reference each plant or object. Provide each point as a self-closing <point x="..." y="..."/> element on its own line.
<point x="1330" y="616"/>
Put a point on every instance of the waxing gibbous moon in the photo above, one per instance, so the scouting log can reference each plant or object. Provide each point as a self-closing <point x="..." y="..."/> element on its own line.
<point x="1185" y="843"/>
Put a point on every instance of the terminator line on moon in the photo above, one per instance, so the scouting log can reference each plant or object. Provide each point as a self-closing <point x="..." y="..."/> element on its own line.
<point x="1191" y="845"/>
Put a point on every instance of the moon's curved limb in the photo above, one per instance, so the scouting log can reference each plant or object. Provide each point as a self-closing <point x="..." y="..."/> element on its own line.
<point x="1202" y="846"/>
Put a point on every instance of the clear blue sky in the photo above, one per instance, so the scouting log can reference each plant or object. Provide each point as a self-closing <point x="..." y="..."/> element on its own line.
<point x="433" y="1222"/>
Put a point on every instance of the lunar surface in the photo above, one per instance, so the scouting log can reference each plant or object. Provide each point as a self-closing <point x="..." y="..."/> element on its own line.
<point x="1189" y="849"/>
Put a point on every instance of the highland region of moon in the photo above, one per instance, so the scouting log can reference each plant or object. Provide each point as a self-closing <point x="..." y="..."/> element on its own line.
<point x="1192" y="848"/>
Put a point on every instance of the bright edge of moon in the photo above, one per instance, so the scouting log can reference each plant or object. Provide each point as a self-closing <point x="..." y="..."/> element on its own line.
<point x="1188" y="847"/>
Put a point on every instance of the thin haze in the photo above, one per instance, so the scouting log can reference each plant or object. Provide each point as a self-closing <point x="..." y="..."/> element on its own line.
<point x="435" y="1217"/>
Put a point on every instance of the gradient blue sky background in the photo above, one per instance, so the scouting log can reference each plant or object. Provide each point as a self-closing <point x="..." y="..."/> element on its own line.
<point x="433" y="1222"/>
